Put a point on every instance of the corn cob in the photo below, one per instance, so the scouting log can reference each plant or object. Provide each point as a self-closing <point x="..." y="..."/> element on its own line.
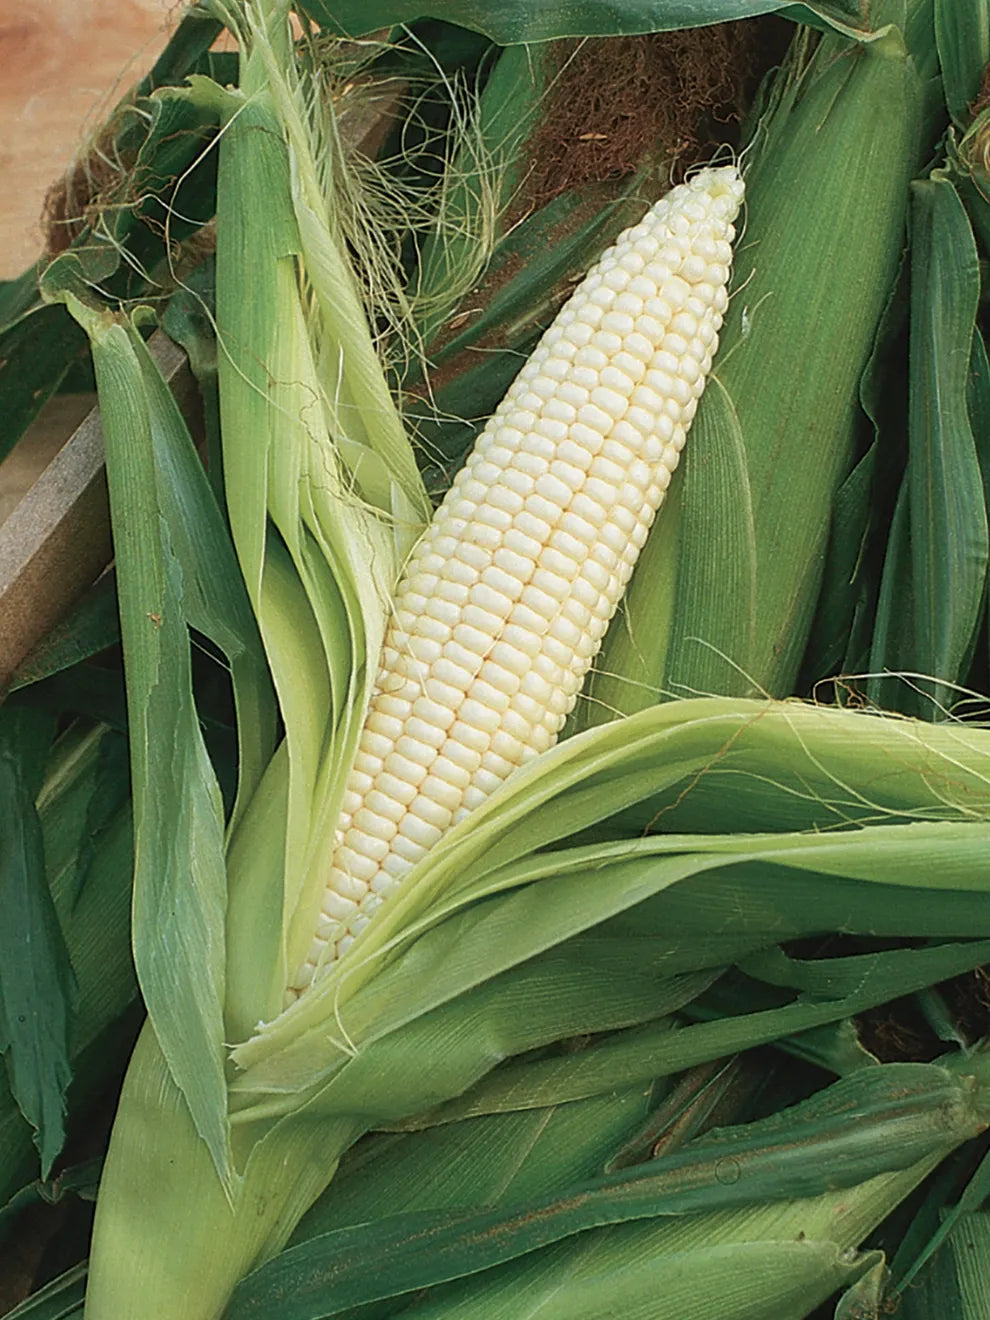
<point x="505" y="600"/>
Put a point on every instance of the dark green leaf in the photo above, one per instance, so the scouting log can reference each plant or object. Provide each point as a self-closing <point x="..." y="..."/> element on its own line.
<point x="87" y="630"/>
<point x="35" y="353"/>
<point x="546" y="20"/>
<point x="937" y="1290"/>
<point x="78" y="1180"/>
<point x="973" y="1196"/>
<point x="62" y="1299"/>
<point x="36" y="981"/>
<point x="949" y="537"/>
<point x="842" y="586"/>
<point x="186" y="48"/>
<point x="963" y="35"/>
<point x="19" y="296"/>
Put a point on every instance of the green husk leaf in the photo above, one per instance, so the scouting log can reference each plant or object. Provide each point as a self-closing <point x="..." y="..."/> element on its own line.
<point x="37" y="988"/>
<point x="807" y="209"/>
<point x="496" y="899"/>
<point x="62" y="1299"/>
<point x="963" y="36"/>
<point x="524" y="21"/>
<point x="653" y="759"/>
<point x="875" y="1122"/>
<point x="35" y="353"/>
<point x="499" y="1159"/>
<point x="653" y="1050"/>
<point x="179" y="880"/>
<point x="89" y="628"/>
<point x="948" y="520"/>
<point x="215" y="601"/>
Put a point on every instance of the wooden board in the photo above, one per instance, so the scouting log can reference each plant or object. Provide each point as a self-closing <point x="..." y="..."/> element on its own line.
<point x="65" y="65"/>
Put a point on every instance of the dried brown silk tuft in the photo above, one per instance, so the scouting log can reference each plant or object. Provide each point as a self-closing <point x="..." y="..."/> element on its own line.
<point x="617" y="101"/>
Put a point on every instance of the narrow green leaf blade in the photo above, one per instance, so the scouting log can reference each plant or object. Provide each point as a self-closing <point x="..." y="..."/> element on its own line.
<point x="962" y="32"/>
<point x="544" y="20"/>
<point x="215" y="600"/>
<point x="62" y="1299"/>
<point x="37" y="989"/>
<point x="949" y="539"/>
<point x="712" y="652"/>
<point x="35" y="353"/>
<point x="180" y="876"/>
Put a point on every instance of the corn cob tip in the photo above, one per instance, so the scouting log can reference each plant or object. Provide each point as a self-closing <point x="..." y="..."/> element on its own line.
<point x="506" y="598"/>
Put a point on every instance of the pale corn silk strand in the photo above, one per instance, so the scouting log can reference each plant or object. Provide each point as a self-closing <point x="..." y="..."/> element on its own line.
<point x="506" y="598"/>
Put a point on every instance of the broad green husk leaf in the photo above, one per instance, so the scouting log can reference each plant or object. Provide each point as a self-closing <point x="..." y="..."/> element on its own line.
<point x="875" y="1122"/>
<point x="641" y="1054"/>
<point x="501" y="1159"/>
<point x="314" y="1075"/>
<point x="716" y="561"/>
<point x="826" y="200"/>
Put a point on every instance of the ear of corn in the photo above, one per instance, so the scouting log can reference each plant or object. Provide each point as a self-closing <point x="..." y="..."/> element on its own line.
<point x="826" y="204"/>
<point x="505" y="600"/>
